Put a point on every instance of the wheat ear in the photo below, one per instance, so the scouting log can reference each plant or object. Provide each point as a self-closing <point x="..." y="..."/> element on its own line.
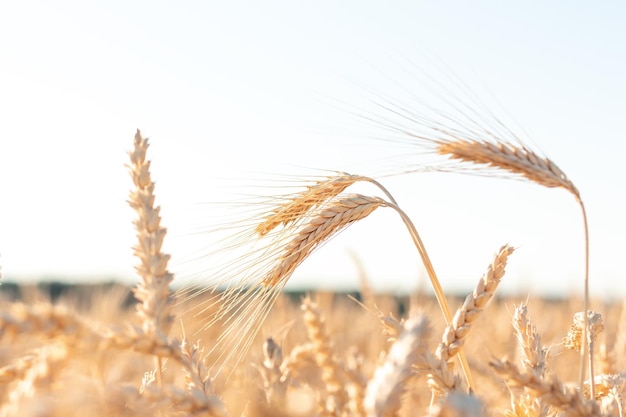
<point x="297" y="206"/>
<point x="455" y="334"/>
<point x="533" y="353"/>
<point x="331" y="219"/>
<point x="153" y="291"/>
<point x="534" y="360"/>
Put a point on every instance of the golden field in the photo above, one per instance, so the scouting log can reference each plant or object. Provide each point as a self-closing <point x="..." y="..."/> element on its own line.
<point x="247" y="349"/>
<point x="82" y="356"/>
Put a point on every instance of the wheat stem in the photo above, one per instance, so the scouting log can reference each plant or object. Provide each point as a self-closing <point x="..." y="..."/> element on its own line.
<point x="439" y="293"/>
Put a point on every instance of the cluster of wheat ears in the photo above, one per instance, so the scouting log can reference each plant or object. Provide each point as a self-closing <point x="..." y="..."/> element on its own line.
<point x="327" y="356"/>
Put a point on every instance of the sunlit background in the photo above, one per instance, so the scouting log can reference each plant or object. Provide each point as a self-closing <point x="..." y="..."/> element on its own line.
<point x="229" y="90"/>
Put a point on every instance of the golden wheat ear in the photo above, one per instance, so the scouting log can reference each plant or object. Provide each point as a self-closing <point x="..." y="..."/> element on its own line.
<point x="153" y="291"/>
<point x="297" y="206"/>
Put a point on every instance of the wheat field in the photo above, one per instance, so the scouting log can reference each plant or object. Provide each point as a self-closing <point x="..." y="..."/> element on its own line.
<point x="249" y="349"/>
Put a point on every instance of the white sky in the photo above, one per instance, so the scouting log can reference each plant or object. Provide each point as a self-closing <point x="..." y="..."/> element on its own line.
<point x="226" y="89"/>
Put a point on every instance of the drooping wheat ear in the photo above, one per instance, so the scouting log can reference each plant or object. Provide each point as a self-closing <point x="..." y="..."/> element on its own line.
<point x="519" y="160"/>
<point x="297" y="206"/>
<point x="333" y="375"/>
<point x="153" y="291"/>
<point x="506" y="156"/>
<point x="385" y="388"/>
<point x="534" y="355"/>
<point x="456" y="332"/>
<point x="552" y="391"/>
<point x="327" y="222"/>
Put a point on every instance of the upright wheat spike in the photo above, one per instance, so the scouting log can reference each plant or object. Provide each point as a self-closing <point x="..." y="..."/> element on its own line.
<point x="534" y="360"/>
<point x="153" y="291"/>
<point x="455" y="333"/>
<point x="533" y="353"/>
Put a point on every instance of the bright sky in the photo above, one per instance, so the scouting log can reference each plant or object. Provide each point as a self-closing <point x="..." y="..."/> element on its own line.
<point x="229" y="89"/>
